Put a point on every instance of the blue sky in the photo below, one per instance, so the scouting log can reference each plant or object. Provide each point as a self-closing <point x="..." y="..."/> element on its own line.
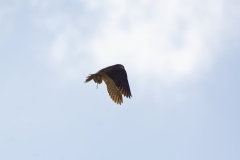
<point x="182" y="59"/>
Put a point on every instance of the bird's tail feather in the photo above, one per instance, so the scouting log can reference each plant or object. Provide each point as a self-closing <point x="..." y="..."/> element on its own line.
<point x="89" y="78"/>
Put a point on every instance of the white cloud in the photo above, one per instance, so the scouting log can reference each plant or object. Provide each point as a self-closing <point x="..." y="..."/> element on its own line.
<point x="171" y="40"/>
<point x="67" y="52"/>
<point x="162" y="39"/>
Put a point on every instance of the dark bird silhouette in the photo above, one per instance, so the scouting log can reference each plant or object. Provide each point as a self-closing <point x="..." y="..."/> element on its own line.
<point x="115" y="78"/>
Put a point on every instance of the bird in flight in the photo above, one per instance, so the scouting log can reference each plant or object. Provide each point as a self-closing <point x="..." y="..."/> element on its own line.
<point x="115" y="78"/>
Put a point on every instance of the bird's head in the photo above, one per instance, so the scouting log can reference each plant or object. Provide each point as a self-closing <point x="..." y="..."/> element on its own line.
<point x="97" y="79"/>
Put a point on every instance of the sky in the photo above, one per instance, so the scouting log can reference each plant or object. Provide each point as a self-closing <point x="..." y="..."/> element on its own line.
<point x="182" y="58"/>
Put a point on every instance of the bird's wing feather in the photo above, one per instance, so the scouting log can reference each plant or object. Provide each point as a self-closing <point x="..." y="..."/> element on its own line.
<point x="119" y="76"/>
<point x="113" y="91"/>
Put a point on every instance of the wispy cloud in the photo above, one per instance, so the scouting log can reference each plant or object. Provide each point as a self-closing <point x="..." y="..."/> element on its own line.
<point x="168" y="40"/>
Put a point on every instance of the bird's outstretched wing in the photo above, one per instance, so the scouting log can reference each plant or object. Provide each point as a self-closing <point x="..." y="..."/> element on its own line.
<point x="113" y="91"/>
<point x="115" y="78"/>
<point x="118" y="75"/>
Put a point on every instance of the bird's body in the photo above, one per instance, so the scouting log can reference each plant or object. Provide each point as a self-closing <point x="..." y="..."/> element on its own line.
<point x="115" y="78"/>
